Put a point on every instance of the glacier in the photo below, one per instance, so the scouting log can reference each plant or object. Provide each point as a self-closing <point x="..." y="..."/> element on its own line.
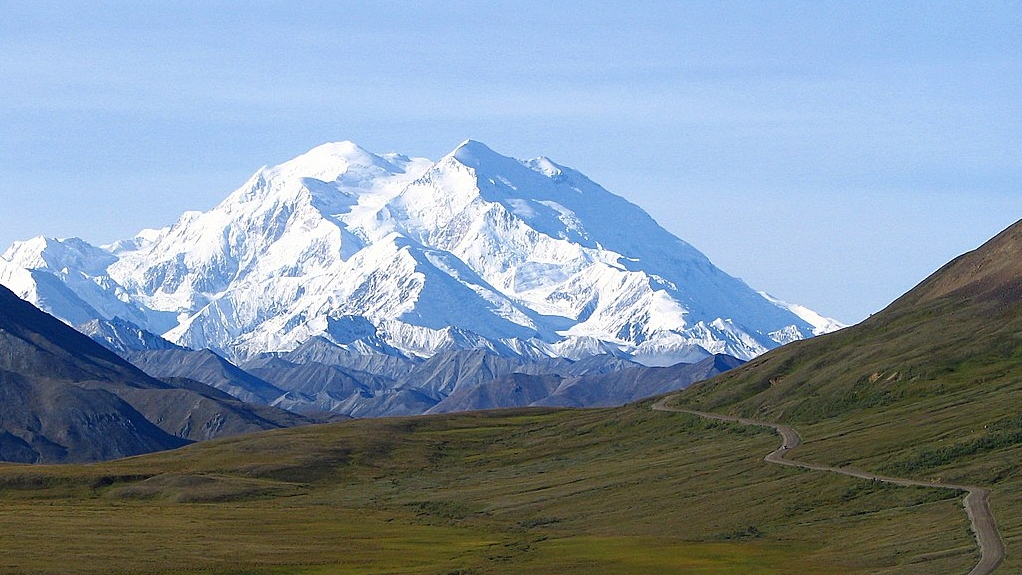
<point x="385" y="253"/>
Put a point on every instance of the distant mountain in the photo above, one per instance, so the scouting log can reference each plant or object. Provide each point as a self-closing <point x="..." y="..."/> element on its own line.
<point x="68" y="399"/>
<point x="320" y="350"/>
<point x="444" y="373"/>
<point x="595" y="390"/>
<point x="410" y="258"/>
<point x="449" y="381"/>
<point x="207" y="367"/>
<point x="119" y="336"/>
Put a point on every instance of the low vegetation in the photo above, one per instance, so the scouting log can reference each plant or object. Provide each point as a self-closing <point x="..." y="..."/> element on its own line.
<point x="929" y="388"/>
<point x="625" y="490"/>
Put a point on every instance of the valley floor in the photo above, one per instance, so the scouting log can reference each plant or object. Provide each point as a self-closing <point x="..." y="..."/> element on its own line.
<point x="613" y="491"/>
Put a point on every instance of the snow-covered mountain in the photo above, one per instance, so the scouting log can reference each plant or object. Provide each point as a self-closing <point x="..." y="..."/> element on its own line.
<point x="386" y="253"/>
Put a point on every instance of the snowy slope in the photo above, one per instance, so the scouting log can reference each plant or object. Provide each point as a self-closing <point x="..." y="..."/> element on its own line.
<point x="405" y="256"/>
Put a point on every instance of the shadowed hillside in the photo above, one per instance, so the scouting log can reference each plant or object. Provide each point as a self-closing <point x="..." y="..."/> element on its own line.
<point x="66" y="398"/>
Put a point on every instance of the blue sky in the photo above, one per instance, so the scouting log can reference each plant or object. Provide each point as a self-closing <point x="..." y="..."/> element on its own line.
<point x="830" y="153"/>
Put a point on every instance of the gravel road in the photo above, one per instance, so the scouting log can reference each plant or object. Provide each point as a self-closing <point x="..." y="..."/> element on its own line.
<point x="976" y="502"/>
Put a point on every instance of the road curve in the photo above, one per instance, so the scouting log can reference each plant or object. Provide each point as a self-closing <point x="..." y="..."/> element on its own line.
<point x="976" y="502"/>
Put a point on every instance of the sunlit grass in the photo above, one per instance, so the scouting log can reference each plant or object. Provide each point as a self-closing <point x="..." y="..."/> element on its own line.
<point x="612" y="491"/>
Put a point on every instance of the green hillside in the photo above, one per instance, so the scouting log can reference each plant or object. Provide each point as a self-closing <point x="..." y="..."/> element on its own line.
<point x="930" y="387"/>
<point x="626" y="490"/>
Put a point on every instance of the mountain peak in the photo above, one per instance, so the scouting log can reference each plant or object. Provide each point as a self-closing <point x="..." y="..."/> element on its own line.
<point x="327" y="162"/>
<point x="59" y="254"/>
<point x="475" y="251"/>
<point x="473" y="153"/>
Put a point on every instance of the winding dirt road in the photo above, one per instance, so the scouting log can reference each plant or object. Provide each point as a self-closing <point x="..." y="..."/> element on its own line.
<point x="976" y="502"/>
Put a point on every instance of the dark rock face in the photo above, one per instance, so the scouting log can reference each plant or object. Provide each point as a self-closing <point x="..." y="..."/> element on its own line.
<point x="53" y="405"/>
<point x="50" y="421"/>
<point x="207" y="367"/>
<point x="65" y="398"/>
<point x="119" y="335"/>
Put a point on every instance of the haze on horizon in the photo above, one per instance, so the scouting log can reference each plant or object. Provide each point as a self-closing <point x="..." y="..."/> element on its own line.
<point x="831" y="154"/>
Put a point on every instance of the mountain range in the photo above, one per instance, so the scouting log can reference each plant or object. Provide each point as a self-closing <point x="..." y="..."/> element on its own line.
<point x="926" y="390"/>
<point x="375" y="385"/>
<point x="406" y="257"/>
<point x="67" y="398"/>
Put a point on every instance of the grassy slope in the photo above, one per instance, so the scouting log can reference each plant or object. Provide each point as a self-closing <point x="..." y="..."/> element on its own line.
<point x="623" y="490"/>
<point x="929" y="388"/>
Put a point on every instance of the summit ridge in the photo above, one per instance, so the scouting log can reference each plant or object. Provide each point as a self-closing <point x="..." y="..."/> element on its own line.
<point x="392" y="254"/>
